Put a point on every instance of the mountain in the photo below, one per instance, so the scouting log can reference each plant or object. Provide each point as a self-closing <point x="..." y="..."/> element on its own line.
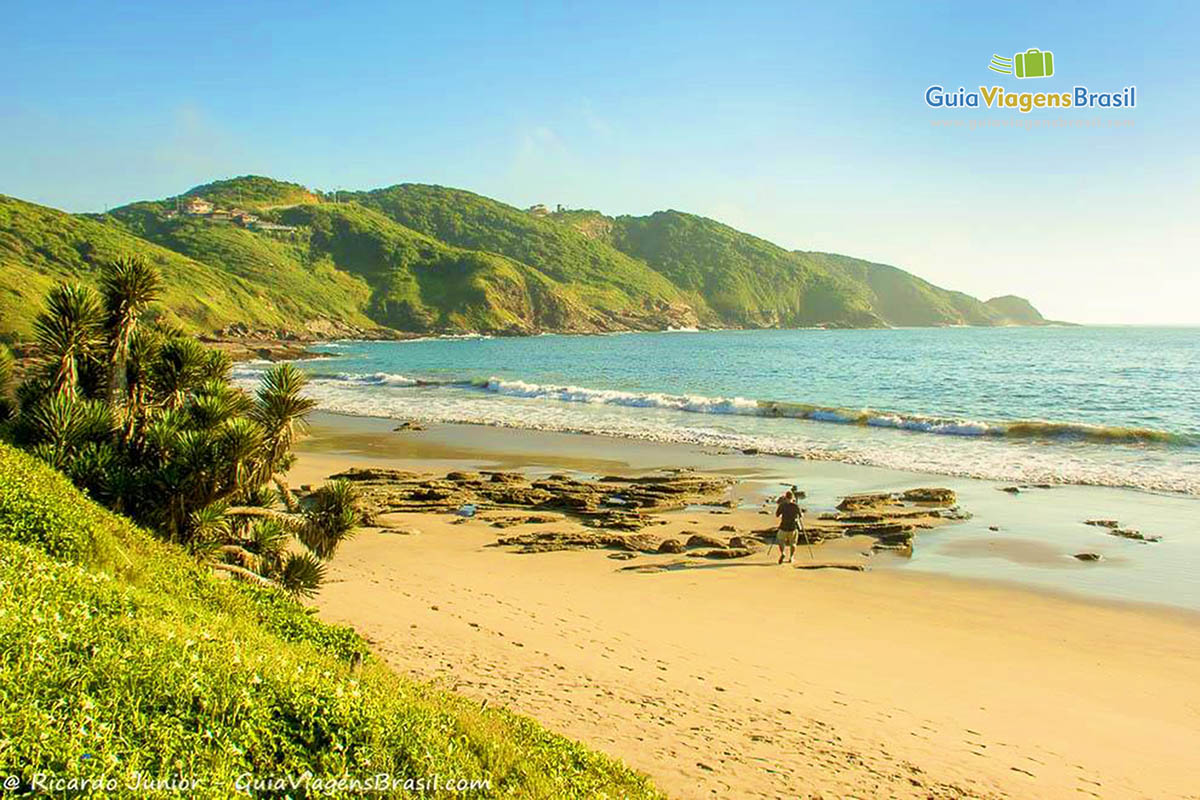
<point x="1013" y="310"/>
<point x="256" y="253"/>
<point x="624" y="290"/>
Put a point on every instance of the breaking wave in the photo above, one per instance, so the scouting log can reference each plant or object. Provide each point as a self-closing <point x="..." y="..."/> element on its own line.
<point x="698" y="404"/>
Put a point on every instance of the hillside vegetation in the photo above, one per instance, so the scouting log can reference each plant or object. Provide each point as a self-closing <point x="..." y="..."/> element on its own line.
<point x="122" y="660"/>
<point x="422" y="258"/>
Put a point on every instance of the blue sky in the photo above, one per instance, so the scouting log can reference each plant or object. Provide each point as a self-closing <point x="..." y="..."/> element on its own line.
<point x="801" y="123"/>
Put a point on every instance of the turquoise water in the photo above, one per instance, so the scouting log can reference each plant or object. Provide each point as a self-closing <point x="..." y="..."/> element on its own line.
<point x="1097" y="406"/>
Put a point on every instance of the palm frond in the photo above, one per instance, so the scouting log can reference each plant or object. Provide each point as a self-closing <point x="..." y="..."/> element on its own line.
<point x="69" y="330"/>
<point x="301" y="575"/>
<point x="331" y="515"/>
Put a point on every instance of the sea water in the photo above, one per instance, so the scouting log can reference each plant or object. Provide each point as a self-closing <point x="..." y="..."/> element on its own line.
<point x="1100" y="406"/>
<point x="1092" y="422"/>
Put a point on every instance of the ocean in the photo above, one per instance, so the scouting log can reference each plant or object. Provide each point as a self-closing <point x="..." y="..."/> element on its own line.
<point x="1100" y="406"/>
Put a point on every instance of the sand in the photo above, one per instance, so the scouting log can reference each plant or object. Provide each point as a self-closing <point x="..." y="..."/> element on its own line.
<point x="749" y="679"/>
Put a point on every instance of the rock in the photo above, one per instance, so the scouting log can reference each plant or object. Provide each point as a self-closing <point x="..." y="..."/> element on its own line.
<point x="409" y="425"/>
<point x="642" y="542"/>
<point x="729" y="529"/>
<point x="993" y="527"/>
<point x="622" y="556"/>
<point x="937" y="496"/>
<point x="1137" y="536"/>
<point x="703" y="540"/>
<point x="749" y="451"/>
<point x="855" y="502"/>
<point x="849" y="567"/>
<point x="524" y="519"/>
<point x="505" y="477"/>
<point x="1088" y="556"/>
<point x="745" y="543"/>
<point x="400" y="531"/>
<point x="1011" y="489"/>
<point x="670" y="546"/>
<point x="1103" y="523"/>
<point x="722" y="552"/>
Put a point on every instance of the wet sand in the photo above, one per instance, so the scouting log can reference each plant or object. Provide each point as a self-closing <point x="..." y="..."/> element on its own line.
<point x="748" y="679"/>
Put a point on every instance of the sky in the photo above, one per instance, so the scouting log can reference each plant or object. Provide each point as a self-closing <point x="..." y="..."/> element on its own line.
<point x="802" y="123"/>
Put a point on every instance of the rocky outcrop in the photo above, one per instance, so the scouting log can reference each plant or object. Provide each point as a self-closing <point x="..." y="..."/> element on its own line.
<point x="1114" y="528"/>
<point x="612" y="502"/>
<point x="704" y="540"/>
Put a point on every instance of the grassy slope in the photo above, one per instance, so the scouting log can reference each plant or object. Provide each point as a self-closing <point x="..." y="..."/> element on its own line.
<point x="299" y="287"/>
<point x="119" y="656"/>
<point x="419" y="283"/>
<point x="902" y="298"/>
<point x="428" y="258"/>
<point x="1015" y="310"/>
<point x="604" y="278"/>
<point x="39" y="246"/>
<point x="744" y="280"/>
<point x="253" y="192"/>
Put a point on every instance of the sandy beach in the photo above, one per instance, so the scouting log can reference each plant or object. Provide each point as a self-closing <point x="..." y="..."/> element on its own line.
<point x="743" y="678"/>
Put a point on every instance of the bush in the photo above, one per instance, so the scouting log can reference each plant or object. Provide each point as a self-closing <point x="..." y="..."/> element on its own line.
<point x="122" y="657"/>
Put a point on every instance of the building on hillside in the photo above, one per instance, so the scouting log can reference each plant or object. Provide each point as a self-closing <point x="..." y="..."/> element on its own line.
<point x="539" y="210"/>
<point x="197" y="206"/>
<point x="272" y="227"/>
<point x="243" y="218"/>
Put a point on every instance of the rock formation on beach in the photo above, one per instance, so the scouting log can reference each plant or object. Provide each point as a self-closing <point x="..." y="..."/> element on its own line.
<point x="619" y="513"/>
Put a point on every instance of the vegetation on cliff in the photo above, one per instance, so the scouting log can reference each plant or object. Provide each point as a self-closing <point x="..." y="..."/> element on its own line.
<point x="423" y="258"/>
<point x="124" y="662"/>
<point x="127" y="667"/>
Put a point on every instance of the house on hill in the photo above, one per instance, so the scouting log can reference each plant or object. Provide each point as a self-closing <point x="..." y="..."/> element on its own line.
<point x="243" y="218"/>
<point x="197" y="206"/>
<point x="539" y="210"/>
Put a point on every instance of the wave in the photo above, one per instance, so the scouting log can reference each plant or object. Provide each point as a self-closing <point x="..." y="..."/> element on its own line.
<point x="748" y="407"/>
<point x="697" y="404"/>
<point x="369" y="379"/>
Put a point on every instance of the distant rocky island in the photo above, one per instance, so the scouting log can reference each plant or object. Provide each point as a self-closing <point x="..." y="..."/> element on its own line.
<point x="257" y="258"/>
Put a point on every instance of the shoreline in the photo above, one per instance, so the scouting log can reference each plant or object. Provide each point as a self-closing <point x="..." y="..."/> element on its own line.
<point x="745" y="679"/>
<point x="1018" y="555"/>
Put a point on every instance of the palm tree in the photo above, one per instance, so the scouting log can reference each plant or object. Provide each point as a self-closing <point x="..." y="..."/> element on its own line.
<point x="129" y="285"/>
<point x="68" y="331"/>
<point x="169" y="440"/>
<point x="281" y="409"/>
<point x="8" y="377"/>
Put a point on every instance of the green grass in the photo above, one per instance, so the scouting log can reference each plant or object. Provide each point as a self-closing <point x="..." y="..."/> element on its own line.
<point x="40" y="246"/>
<point x="742" y="279"/>
<point x="252" y="193"/>
<point x="120" y="656"/>
<point x="426" y="258"/>
<point x="603" y="277"/>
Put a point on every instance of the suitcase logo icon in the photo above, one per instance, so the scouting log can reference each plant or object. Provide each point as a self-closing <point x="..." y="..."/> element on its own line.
<point x="1033" y="63"/>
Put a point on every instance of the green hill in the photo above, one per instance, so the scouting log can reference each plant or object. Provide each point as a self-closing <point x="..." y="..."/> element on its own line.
<point x="1015" y="310"/>
<point x="120" y="656"/>
<point x="739" y="279"/>
<point x="625" y="291"/>
<point x="253" y="193"/>
<point x="746" y="281"/>
<point x="40" y="246"/>
<point x="422" y="258"/>
<point x="419" y="283"/>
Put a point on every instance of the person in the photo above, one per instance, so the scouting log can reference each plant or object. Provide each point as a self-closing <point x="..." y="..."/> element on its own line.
<point x="789" y="514"/>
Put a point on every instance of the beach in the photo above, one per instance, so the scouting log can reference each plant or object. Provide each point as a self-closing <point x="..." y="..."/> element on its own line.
<point x="744" y="678"/>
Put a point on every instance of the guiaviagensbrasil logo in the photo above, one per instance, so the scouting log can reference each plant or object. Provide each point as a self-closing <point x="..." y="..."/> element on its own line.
<point x="1030" y="63"/>
<point x="1033" y="63"/>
